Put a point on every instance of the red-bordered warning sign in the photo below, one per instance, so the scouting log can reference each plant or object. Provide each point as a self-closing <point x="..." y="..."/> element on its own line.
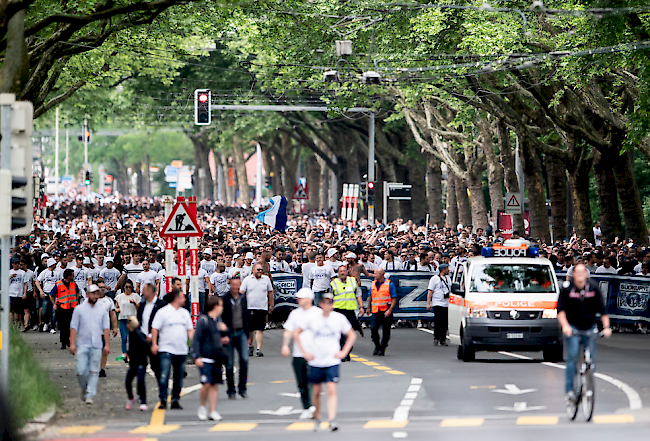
<point x="181" y="223"/>
<point x="300" y="192"/>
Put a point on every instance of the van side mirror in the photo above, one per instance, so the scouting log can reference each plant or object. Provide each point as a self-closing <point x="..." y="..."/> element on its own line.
<point x="455" y="289"/>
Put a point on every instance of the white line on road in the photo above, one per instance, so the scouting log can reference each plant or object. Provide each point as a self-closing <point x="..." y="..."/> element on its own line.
<point x="632" y="396"/>
<point x="402" y="411"/>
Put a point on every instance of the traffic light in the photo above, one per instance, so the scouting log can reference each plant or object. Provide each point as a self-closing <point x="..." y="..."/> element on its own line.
<point x="268" y="181"/>
<point x="16" y="192"/>
<point x="363" y="191"/>
<point x="202" y="114"/>
<point x="371" y="191"/>
<point x="88" y="178"/>
<point x="85" y="134"/>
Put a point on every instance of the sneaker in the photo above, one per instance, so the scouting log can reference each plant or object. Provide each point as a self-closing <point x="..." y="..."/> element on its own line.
<point x="333" y="426"/>
<point x="259" y="353"/>
<point x="306" y="415"/>
<point x="102" y="373"/>
<point x="89" y="401"/>
<point x="163" y="405"/>
<point x="45" y="328"/>
<point x="215" y="416"/>
<point x="316" y="425"/>
<point x="243" y="394"/>
<point x="436" y="343"/>
<point x="202" y="413"/>
<point x="251" y="351"/>
<point x="52" y="331"/>
<point x="25" y="329"/>
<point x="176" y="405"/>
<point x="143" y="407"/>
<point x="232" y="396"/>
<point x="129" y="404"/>
<point x="570" y="397"/>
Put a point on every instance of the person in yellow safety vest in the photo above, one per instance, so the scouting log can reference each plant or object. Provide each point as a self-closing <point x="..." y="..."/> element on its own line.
<point x="347" y="296"/>
<point x="383" y="298"/>
<point x="64" y="297"/>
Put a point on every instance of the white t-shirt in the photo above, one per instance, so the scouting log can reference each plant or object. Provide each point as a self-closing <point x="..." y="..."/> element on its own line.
<point x="127" y="309"/>
<point x="146" y="277"/>
<point x="369" y="266"/>
<point x="326" y="341"/>
<point x="81" y="276"/>
<point x="395" y="265"/>
<point x="107" y="304"/>
<point x="220" y="282"/>
<point x="16" y="283"/>
<point x="210" y="266"/>
<point x="306" y="268"/>
<point x="300" y="318"/>
<point x="172" y="325"/>
<point x="48" y="280"/>
<point x="603" y="270"/>
<point x="110" y="277"/>
<point x="597" y="233"/>
<point x="132" y="271"/>
<point x="257" y="291"/>
<point x="321" y="277"/>
<point x="335" y="265"/>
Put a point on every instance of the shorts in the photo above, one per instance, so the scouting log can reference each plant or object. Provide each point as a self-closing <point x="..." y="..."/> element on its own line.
<point x="211" y="373"/>
<point x="16" y="305"/>
<point x="257" y="319"/>
<point x="318" y="375"/>
<point x="30" y="302"/>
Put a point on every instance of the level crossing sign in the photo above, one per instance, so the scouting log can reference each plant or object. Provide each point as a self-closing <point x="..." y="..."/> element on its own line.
<point x="181" y="223"/>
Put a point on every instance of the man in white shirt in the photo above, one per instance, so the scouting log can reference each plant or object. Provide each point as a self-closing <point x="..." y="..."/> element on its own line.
<point x="209" y="265"/>
<point x="171" y="329"/>
<point x="219" y="279"/>
<point x="607" y="267"/>
<point x="45" y="282"/>
<point x="133" y="269"/>
<point x="279" y="264"/>
<point x="110" y="275"/>
<point x="145" y="277"/>
<point x="320" y="276"/>
<point x="82" y="277"/>
<point x="391" y="263"/>
<point x="17" y="291"/>
<point x="306" y="268"/>
<point x="363" y="260"/>
<point x="109" y="305"/>
<point x="333" y="259"/>
<point x="247" y="269"/>
<point x="324" y="354"/>
<point x="438" y="300"/>
<point x="597" y="234"/>
<point x="259" y="295"/>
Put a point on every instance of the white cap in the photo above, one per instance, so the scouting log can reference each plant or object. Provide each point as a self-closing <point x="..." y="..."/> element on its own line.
<point x="44" y="256"/>
<point x="350" y="255"/>
<point x="93" y="288"/>
<point x="51" y="261"/>
<point x="305" y="293"/>
<point x="86" y="260"/>
<point x="108" y="259"/>
<point x="207" y="251"/>
<point x="236" y="256"/>
<point x="331" y="252"/>
<point x="250" y="256"/>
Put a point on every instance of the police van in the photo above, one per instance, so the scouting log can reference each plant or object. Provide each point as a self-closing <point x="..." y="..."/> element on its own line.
<point x="505" y="299"/>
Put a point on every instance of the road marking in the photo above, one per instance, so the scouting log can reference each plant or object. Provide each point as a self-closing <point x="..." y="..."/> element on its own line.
<point x="521" y="406"/>
<point x="291" y="394"/>
<point x="383" y="368"/>
<point x="613" y="419"/>
<point x="402" y="411"/>
<point x="282" y="411"/>
<point x="462" y="422"/>
<point x="400" y="434"/>
<point x="416" y="380"/>
<point x="155" y="430"/>
<point x="395" y="372"/>
<point x="385" y="424"/>
<point x="360" y="359"/>
<point x="410" y="395"/>
<point x="282" y="381"/>
<point x="80" y="430"/>
<point x="233" y="427"/>
<point x="408" y="403"/>
<point x="414" y="387"/>
<point x="366" y="376"/>
<point x="513" y="389"/>
<point x="483" y="387"/>
<point x="157" y="416"/>
<point x="301" y="426"/>
<point x="632" y="396"/>
<point x="537" y="420"/>
<point x="370" y="363"/>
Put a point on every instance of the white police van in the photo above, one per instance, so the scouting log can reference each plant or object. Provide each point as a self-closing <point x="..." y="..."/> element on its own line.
<point x="505" y="300"/>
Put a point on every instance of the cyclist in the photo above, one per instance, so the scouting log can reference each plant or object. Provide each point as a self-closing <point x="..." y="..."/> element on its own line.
<point x="578" y="305"/>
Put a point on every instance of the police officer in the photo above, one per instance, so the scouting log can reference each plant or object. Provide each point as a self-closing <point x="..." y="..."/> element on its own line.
<point x="438" y="300"/>
<point x="382" y="302"/>
<point x="346" y="299"/>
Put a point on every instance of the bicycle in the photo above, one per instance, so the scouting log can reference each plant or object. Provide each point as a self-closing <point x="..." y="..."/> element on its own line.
<point x="583" y="383"/>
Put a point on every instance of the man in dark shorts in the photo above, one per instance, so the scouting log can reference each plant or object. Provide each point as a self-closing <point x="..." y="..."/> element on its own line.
<point x="258" y="290"/>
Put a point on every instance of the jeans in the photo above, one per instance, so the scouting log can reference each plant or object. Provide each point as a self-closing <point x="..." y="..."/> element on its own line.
<point x="301" y="369"/>
<point x="239" y="343"/>
<point x="88" y="360"/>
<point x="380" y="319"/>
<point x="440" y="323"/>
<point x="124" y="333"/>
<point x="202" y="296"/>
<point x="168" y="360"/>
<point x="573" y="344"/>
<point x="47" y="310"/>
<point x="140" y="371"/>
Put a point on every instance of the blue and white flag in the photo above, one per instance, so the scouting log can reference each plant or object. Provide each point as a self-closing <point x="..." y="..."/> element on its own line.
<point x="276" y="216"/>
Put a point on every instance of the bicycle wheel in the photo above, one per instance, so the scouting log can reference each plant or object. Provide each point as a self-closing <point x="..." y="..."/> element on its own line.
<point x="572" y="406"/>
<point x="588" y="394"/>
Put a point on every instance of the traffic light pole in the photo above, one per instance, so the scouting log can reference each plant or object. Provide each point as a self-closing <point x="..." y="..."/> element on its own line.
<point x="86" y="165"/>
<point x="371" y="167"/>
<point x="6" y="100"/>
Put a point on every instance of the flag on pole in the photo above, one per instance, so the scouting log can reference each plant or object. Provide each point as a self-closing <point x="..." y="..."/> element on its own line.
<point x="276" y="216"/>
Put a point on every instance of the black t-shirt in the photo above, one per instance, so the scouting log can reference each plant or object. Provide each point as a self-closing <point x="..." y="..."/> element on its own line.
<point x="581" y="306"/>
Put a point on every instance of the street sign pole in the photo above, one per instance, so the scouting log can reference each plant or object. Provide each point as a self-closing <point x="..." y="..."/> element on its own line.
<point x="371" y="164"/>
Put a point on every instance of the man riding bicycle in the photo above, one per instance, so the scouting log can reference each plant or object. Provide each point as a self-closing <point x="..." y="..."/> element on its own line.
<point x="578" y="305"/>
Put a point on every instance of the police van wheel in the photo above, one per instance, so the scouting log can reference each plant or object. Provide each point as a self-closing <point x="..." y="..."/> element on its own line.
<point x="459" y="353"/>
<point x="465" y="352"/>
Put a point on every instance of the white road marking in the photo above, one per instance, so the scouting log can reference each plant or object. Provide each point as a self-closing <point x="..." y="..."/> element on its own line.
<point x="632" y="396"/>
<point x="513" y="389"/>
<point x="282" y="411"/>
<point x="291" y="395"/>
<point x="402" y="411"/>
<point x="190" y="389"/>
<point x="520" y="407"/>
<point x="400" y="434"/>
<point x="414" y="388"/>
<point x="410" y="395"/>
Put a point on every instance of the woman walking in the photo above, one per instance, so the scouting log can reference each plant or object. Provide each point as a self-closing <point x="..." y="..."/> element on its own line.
<point x="126" y="305"/>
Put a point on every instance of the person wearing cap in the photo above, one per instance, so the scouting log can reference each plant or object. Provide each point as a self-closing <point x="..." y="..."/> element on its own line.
<point x="209" y="265"/>
<point x="109" y="276"/>
<point x="355" y="269"/>
<point x="438" y="300"/>
<point x="258" y="290"/>
<point x="324" y="354"/>
<point x="347" y="297"/>
<point x="17" y="292"/>
<point x="383" y="298"/>
<point x="45" y="282"/>
<point x="278" y="264"/>
<point x="320" y="276"/>
<point x="299" y="318"/>
<point x="235" y="316"/>
<point x="81" y="276"/>
<point x="247" y="268"/>
<point x="333" y="259"/>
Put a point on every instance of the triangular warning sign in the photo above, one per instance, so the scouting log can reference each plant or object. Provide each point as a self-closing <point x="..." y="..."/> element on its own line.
<point x="181" y="223"/>
<point x="513" y="202"/>
<point x="300" y="192"/>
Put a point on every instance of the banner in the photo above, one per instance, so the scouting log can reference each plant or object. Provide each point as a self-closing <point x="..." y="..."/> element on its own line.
<point x="504" y="223"/>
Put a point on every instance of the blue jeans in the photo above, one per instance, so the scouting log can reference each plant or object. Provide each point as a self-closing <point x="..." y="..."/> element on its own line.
<point x="202" y="296"/>
<point x="168" y="360"/>
<point x="124" y="333"/>
<point x="239" y="343"/>
<point x="87" y="361"/>
<point x="47" y="308"/>
<point x="573" y="344"/>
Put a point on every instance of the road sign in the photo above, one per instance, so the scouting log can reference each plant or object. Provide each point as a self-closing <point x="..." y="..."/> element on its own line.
<point x="181" y="223"/>
<point x="300" y="192"/>
<point x="399" y="192"/>
<point x="177" y="164"/>
<point x="108" y="178"/>
<point x="513" y="203"/>
<point x="72" y="193"/>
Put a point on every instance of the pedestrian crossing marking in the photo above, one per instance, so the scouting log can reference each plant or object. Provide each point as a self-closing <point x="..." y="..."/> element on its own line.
<point x="301" y="426"/>
<point x="462" y="422"/>
<point x="155" y="430"/>
<point x="395" y="372"/>
<point x="383" y="368"/>
<point x="80" y="430"/>
<point x="385" y="424"/>
<point x="537" y="420"/>
<point x="233" y="427"/>
<point x="613" y="419"/>
<point x="371" y="363"/>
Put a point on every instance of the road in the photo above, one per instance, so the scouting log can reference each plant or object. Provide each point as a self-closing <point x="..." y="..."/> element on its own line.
<point x="416" y="391"/>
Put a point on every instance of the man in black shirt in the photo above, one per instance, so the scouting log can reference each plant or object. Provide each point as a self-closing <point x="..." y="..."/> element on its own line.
<point x="578" y="305"/>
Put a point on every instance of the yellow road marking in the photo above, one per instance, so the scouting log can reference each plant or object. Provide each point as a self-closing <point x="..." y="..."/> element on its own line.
<point x="383" y="368"/>
<point x="483" y="387"/>
<point x="233" y="427"/>
<point x="385" y="424"/>
<point x="395" y="372"/>
<point x="366" y="376"/>
<point x="462" y="422"/>
<point x="301" y="426"/>
<point x="537" y="420"/>
<point x="613" y="419"/>
<point x="155" y="430"/>
<point x="353" y="355"/>
<point x="80" y="430"/>
<point x="282" y="381"/>
<point x="360" y="359"/>
<point x="370" y="363"/>
<point x="157" y="416"/>
<point x="150" y="439"/>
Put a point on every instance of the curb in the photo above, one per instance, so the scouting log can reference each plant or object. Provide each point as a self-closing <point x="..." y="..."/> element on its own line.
<point x="39" y="423"/>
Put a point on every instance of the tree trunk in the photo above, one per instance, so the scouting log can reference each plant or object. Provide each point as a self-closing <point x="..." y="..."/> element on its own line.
<point x="229" y="178"/>
<point x="628" y="192"/>
<point x="324" y="173"/>
<point x="462" y="200"/>
<point x="416" y="172"/>
<point x="610" y="216"/>
<point x="313" y="183"/>
<point x="137" y="169"/>
<point x="242" y="176"/>
<point x="557" y="193"/>
<point x="507" y="159"/>
<point x="477" y="201"/>
<point x="14" y="72"/>
<point x="434" y="191"/>
<point x="538" y="214"/>
<point x="451" y="220"/>
<point x="581" y="206"/>
<point x="494" y="173"/>
<point x="146" y="178"/>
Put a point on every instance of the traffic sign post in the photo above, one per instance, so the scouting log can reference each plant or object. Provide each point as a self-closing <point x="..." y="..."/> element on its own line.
<point x="514" y="203"/>
<point x="300" y="192"/>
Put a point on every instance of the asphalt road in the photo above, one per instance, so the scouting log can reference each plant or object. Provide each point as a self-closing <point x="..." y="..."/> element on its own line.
<point x="416" y="391"/>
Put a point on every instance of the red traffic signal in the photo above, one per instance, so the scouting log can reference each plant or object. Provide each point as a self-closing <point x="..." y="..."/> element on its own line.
<point x="203" y="98"/>
<point x="371" y="185"/>
<point x="202" y="114"/>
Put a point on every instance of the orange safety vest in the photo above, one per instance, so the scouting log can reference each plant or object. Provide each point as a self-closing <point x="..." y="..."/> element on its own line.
<point x="379" y="298"/>
<point x="66" y="297"/>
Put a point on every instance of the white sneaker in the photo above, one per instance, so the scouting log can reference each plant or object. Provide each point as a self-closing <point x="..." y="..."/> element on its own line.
<point x="215" y="416"/>
<point x="305" y="415"/>
<point x="202" y="413"/>
<point x="89" y="401"/>
<point x="52" y="331"/>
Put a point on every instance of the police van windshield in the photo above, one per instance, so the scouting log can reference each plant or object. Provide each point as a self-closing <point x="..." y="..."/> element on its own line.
<point x="512" y="278"/>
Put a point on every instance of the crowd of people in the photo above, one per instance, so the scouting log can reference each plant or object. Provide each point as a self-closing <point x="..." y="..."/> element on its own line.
<point x="89" y="269"/>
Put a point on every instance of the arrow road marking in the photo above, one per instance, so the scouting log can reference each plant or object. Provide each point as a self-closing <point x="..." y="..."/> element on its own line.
<point x="512" y="389"/>
<point x="282" y="411"/>
<point x="520" y="407"/>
